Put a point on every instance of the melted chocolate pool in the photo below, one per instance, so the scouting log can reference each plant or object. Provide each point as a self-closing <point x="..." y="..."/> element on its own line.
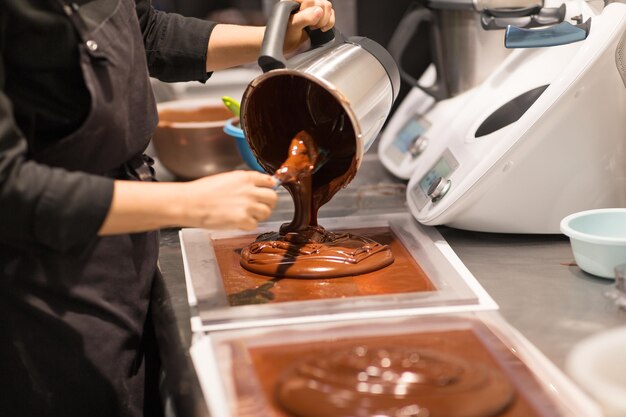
<point x="244" y="287"/>
<point x="437" y="367"/>
<point x="302" y="248"/>
<point x="392" y="381"/>
<point x="314" y="252"/>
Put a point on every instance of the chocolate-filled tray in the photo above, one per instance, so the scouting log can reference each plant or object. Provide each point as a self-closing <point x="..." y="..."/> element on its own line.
<point x="425" y="277"/>
<point x="462" y="365"/>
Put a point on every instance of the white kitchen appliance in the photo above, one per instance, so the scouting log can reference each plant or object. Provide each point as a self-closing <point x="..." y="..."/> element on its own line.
<point x="417" y="121"/>
<point x="466" y="46"/>
<point x="544" y="136"/>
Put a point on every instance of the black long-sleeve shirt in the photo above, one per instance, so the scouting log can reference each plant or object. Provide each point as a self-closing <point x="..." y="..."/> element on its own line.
<point x="43" y="98"/>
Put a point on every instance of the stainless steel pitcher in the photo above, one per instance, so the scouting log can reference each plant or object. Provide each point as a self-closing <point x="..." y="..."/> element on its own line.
<point x="342" y="88"/>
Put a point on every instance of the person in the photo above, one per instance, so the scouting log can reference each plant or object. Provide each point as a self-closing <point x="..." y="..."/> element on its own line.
<point x="79" y="212"/>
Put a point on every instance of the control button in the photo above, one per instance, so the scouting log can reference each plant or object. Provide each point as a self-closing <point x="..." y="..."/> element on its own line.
<point x="438" y="189"/>
<point x="92" y="45"/>
<point x="418" y="146"/>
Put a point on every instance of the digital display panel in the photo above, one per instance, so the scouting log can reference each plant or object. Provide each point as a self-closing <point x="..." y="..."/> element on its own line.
<point x="441" y="169"/>
<point x="413" y="129"/>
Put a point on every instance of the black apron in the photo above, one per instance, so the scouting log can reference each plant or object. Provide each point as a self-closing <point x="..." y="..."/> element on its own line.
<point x="73" y="324"/>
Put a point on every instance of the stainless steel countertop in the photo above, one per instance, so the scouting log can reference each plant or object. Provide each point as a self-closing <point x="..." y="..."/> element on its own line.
<point x="551" y="302"/>
<point x="538" y="288"/>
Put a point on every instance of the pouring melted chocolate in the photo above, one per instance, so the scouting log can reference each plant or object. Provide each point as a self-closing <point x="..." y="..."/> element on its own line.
<point x="302" y="248"/>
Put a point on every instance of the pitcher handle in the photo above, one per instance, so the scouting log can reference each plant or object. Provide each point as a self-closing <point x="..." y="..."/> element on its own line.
<point x="272" y="56"/>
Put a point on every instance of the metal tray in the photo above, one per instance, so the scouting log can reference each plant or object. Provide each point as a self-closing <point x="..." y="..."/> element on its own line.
<point x="238" y="369"/>
<point x="455" y="288"/>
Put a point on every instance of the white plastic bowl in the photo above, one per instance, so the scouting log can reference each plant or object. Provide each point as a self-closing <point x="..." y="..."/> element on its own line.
<point x="598" y="239"/>
<point x="598" y="365"/>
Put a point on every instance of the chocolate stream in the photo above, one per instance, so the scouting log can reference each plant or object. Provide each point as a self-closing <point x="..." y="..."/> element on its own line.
<point x="302" y="248"/>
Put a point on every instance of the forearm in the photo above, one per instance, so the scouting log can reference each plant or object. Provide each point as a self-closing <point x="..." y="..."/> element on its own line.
<point x="236" y="199"/>
<point x="233" y="45"/>
<point x="142" y="206"/>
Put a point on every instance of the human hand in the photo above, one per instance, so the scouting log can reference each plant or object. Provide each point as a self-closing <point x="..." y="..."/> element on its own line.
<point x="315" y="14"/>
<point x="238" y="199"/>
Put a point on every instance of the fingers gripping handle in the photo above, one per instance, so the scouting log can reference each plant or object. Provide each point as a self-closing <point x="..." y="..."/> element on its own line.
<point x="319" y="38"/>
<point x="272" y="56"/>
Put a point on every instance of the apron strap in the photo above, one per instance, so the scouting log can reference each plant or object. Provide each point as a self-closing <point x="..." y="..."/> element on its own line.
<point x="71" y="10"/>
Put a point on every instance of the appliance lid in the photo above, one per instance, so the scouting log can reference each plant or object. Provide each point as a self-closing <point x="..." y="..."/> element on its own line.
<point x="480" y="5"/>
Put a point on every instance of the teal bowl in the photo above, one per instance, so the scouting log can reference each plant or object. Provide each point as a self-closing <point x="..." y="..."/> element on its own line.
<point x="598" y="239"/>
<point x="242" y="144"/>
